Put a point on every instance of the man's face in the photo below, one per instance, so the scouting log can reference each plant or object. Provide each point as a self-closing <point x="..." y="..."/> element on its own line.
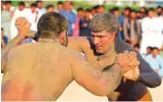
<point x="40" y="4"/>
<point x="103" y="41"/>
<point x="133" y="15"/>
<point x="60" y="7"/>
<point x="21" y="7"/>
<point x="155" y="52"/>
<point x="33" y="9"/>
<point x="151" y="13"/>
<point x="116" y="13"/>
<point x="67" y="5"/>
<point x="51" y="9"/>
<point x="126" y="12"/>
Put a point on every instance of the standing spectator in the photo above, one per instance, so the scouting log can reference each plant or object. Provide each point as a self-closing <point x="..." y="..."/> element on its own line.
<point x="80" y="14"/>
<point x="100" y="9"/>
<point x="40" y="6"/>
<point x="143" y="11"/>
<point x="132" y="29"/>
<point x="149" y="50"/>
<point x="122" y="19"/>
<point x="20" y="12"/>
<point x="4" y="38"/>
<point x="70" y="16"/>
<point x="6" y="16"/>
<point x="151" y="33"/>
<point x="33" y="16"/>
<point x="72" y="5"/>
<point x="50" y="8"/>
<point x="115" y="12"/>
<point x="59" y="6"/>
<point x="159" y="10"/>
<point x="155" y="61"/>
<point x="84" y="24"/>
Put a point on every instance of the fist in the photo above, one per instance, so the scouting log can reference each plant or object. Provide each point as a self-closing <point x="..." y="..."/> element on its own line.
<point x="127" y="60"/>
<point x="132" y="74"/>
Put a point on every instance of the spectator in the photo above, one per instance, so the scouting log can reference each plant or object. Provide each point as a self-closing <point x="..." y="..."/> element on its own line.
<point x="137" y="47"/>
<point x="20" y="12"/>
<point x="132" y="29"/>
<point x="149" y="50"/>
<point x="50" y="8"/>
<point x="70" y="16"/>
<point x="100" y="9"/>
<point x="80" y="14"/>
<point x="59" y="6"/>
<point x="84" y="24"/>
<point x="33" y="16"/>
<point x="143" y="11"/>
<point x="40" y="6"/>
<point x="6" y="16"/>
<point x="151" y="34"/>
<point x="4" y="38"/>
<point x="159" y="10"/>
<point x="115" y="12"/>
<point x="155" y="61"/>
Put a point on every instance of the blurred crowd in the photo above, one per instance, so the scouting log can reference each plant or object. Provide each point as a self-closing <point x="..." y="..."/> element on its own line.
<point x="142" y="29"/>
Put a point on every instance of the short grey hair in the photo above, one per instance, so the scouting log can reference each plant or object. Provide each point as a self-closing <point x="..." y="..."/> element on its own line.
<point x="104" y="21"/>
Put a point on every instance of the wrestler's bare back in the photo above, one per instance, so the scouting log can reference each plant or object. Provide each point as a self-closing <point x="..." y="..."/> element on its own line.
<point x="42" y="71"/>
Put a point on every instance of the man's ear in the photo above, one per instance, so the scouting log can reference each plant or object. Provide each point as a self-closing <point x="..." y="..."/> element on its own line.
<point x="63" y="38"/>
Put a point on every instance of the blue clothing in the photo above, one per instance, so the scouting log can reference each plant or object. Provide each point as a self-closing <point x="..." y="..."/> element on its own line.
<point x="28" y="40"/>
<point x="71" y="17"/>
<point x="121" y="21"/>
<point x="5" y="38"/>
<point x="156" y="63"/>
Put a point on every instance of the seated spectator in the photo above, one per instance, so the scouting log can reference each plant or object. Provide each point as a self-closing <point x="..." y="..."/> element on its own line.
<point x="4" y="38"/>
<point x="155" y="61"/>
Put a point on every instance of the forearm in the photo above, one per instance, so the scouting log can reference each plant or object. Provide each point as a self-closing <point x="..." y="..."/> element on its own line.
<point x="150" y="79"/>
<point x="113" y="74"/>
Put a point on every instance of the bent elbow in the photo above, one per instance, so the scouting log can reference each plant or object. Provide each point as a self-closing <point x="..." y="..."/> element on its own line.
<point x="156" y="83"/>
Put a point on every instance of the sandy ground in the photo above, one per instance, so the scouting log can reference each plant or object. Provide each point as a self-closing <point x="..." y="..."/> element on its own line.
<point x="75" y="92"/>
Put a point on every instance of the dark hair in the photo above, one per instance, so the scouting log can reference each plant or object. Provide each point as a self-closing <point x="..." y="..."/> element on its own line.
<point x="115" y="9"/>
<point x="8" y="2"/>
<point x="150" y="9"/>
<point x="2" y="29"/>
<point x="33" y="5"/>
<point x="155" y="48"/>
<point x="149" y="47"/>
<point x="38" y="1"/>
<point x="51" y="25"/>
<point x="159" y="7"/>
<point x="21" y="3"/>
<point x="88" y="10"/>
<point x="49" y="6"/>
<point x="59" y="2"/>
<point x="80" y="9"/>
<point x="127" y="8"/>
<point x="137" y="46"/>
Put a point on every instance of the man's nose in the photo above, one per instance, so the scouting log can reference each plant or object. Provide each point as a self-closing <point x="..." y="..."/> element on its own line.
<point x="96" y="40"/>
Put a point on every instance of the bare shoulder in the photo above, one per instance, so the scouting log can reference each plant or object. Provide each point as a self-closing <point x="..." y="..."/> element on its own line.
<point x="22" y="48"/>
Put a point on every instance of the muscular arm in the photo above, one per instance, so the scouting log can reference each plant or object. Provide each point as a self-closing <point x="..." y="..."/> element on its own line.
<point x="94" y="80"/>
